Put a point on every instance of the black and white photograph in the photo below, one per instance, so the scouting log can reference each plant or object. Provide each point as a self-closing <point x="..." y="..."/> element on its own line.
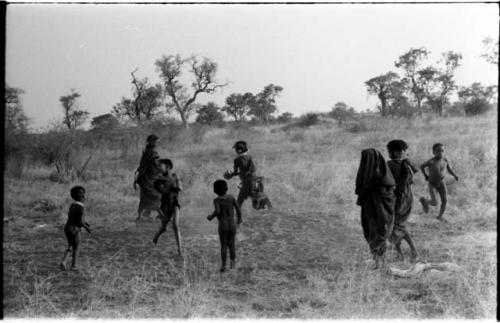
<point x="264" y="160"/>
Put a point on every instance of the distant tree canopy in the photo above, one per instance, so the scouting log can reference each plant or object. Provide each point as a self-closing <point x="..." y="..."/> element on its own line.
<point x="263" y="104"/>
<point x="476" y="99"/>
<point x="209" y="114"/>
<point x="104" y="122"/>
<point x="145" y="104"/>
<point x="385" y="88"/>
<point x="342" y="112"/>
<point x="490" y="50"/>
<point x="238" y="105"/>
<point x="284" y="117"/>
<point x="73" y="117"/>
<point x="16" y="120"/>
<point x="171" y="69"/>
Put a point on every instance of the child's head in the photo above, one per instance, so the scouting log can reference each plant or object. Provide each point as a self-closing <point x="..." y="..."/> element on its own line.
<point x="220" y="187"/>
<point x="78" y="193"/>
<point x="240" y="147"/>
<point x="397" y="149"/>
<point x="438" y="150"/>
<point x="152" y="140"/>
<point x="160" y="185"/>
<point x="165" y="164"/>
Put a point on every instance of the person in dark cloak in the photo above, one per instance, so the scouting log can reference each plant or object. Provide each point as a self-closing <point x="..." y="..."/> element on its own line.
<point x="145" y="175"/>
<point x="402" y="170"/>
<point x="375" y="190"/>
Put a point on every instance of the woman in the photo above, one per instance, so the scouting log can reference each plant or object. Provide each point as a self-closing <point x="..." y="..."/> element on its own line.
<point x="375" y="190"/>
<point x="145" y="175"/>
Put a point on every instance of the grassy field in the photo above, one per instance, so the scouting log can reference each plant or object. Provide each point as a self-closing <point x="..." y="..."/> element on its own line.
<point x="304" y="259"/>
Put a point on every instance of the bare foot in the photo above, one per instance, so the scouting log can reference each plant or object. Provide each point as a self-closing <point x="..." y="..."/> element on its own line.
<point x="75" y="269"/>
<point x="62" y="265"/>
<point x="425" y="206"/>
<point x="413" y="256"/>
<point x="222" y="269"/>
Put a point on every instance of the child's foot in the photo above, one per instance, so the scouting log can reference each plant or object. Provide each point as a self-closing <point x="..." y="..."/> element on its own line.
<point x="413" y="256"/>
<point x="75" y="269"/>
<point x="222" y="269"/>
<point x="155" y="240"/>
<point x="232" y="264"/>
<point x="425" y="206"/>
<point x="440" y="218"/>
<point x="62" y="265"/>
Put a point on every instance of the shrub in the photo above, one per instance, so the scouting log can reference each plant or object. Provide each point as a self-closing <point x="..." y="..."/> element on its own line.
<point x="307" y="120"/>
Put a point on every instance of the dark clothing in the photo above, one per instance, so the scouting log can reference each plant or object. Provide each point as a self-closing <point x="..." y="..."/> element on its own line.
<point x="224" y="211"/>
<point x="245" y="191"/>
<point x="75" y="222"/>
<point x="402" y="171"/>
<point x="169" y="200"/>
<point x="244" y="167"/>
<point x="375" y="189"/>
<point x="148" y="172"/>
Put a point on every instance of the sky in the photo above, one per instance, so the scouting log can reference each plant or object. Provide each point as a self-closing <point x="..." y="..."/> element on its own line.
<point x="320" y="54"/>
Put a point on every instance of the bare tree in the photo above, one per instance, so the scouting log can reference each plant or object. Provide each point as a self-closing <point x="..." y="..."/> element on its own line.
<point x="73" y="117"/>
<point x="171" y="69"/>
<point x="490" y="50"/>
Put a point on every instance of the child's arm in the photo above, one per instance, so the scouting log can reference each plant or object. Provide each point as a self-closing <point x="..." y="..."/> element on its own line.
<point x="229" y="175"/>
<point x="238" y="212"/>
<point x="178" y="184"/>
<point x="424" y="165"/>
<point x="451" y="171"/>
<point x="216" y="211"/>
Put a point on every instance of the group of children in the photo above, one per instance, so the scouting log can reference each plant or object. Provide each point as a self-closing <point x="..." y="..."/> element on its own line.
<point x="386" y="199"/>
<point x="383" y="189"/>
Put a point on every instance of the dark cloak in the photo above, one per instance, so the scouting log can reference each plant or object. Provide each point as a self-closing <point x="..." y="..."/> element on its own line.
<point x="148" y="172"/>
<point x="375" y="189"/>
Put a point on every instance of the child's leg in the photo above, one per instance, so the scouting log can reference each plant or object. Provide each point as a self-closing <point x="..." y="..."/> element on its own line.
<point x="223" y="247"/>
<point x="267" y="202"/>
<point x="163" y="228"/>
<point x="232" y="246"/>
<point x="140" y="210"/>
<point x="442" y="195"/>
<point x="67" y="253"/>
<point x="400" y="255"/>
<point x="413" y="250"/>
<point x="433" y="200"/>
<point x="76" y="250"/>
<point x="175" y="226"/>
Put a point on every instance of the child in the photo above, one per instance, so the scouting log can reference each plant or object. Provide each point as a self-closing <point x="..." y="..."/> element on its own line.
<point x="245" y="168"/>
<point x="375" y="190"/>
<point x="225" y="205"/>
<point x="437" y="167"/>
<point x="169" y="187"/>
<point x="72" y="228"/>
<point x="259" y="199"/>
<point x="402" y="171"/>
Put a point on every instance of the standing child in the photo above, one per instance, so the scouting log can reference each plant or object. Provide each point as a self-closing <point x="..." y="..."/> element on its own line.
<point x="76" y="220"/>
<point x="225" y="205"/>
<point x="402" y="170"/>
<point x="169" y="186"/>
<point x="245" y="168"/>
<point x="437" y="167"/>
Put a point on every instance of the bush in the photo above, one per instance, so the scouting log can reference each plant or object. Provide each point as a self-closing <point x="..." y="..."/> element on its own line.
<point x="358" y="127"/>
<point x="476" y="107"/>
<point x="307" y="120"/>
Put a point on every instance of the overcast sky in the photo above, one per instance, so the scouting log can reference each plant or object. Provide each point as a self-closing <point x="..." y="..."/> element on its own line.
<point x="319" y="54"/>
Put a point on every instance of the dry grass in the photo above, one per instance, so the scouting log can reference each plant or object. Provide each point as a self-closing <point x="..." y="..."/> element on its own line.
<point x="305" y="259"/>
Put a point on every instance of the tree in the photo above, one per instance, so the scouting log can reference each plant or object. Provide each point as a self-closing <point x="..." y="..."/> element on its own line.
<point x="16" y="121"/>
<point x="171" y="69"/>
<point x="264" y="104"/>
<point x="209" y="114"/>
<point x="341" y="112"/>
<point x="382" y="86"/>
<point x="238" y="105"/>
<point x="147" y="99"/>
<point x="285" y="117"/>
<point x="476" y="98"/>
<point x="490" y="51"/>
<point x="104" y="122"/>
<point x="410" y="63"/>
<point x="438" y="84"/>
<point x="73" y="117"/>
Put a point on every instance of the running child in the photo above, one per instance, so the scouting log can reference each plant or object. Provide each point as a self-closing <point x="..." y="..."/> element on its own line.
<point x="169" y="186"/>
<point x="437" y="166"/>
<point x="245" y="168"/>
<point x="225" y="205"/>
<point x="76" y="220"/>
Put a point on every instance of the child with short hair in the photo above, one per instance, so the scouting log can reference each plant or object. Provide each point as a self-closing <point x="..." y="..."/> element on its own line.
<point x="402" y="170"/>
<point x="225" y="205"/>
<point x="169" y="186"/>
<point x="245" y="168"/>
<point x="437" y="167"/>
<point x="76" y="220"/>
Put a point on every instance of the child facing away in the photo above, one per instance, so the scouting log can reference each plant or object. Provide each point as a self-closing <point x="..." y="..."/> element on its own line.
<point x="225" y="205"/>
<point x="169" y="186"/>
<point x="437" y="166"/>
<point x="245" y="168"/>
<point x="402" y="170"/>
<point x="76" y="220"/>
